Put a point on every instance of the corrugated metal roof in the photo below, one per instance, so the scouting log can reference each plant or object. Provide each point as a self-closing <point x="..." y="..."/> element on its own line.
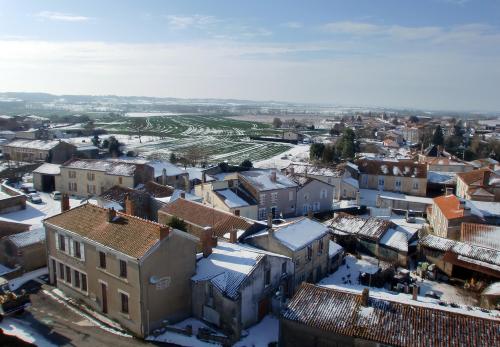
<point x="388" y="322"/>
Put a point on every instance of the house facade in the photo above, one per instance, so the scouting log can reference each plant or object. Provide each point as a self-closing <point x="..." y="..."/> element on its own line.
<point x="312" y="195"/>
<point x="403" y="176"/>
<point x="134" y="271"/>
<point x="51" y="151"/>
<point x="86" y="177"/>
<point x="480" y="185"/>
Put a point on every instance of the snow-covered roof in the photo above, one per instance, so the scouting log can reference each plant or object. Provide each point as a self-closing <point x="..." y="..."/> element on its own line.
<point x="300" y="233"/>
<point x="227" y="267"/>
<point x="351" y="181"/>
<point x="48" y="169"/>
<point x="395" y="238"/>
<point x="315" y="170"/>
<point x="111" y="167"/>
<point x="484" y="209"/>
<point x="334" y="248"/>
<point x="441" y="177"/>
<point x="27" y="238"/>
<point x="33" y="144"/>
<point x="177" y="194"/>
<point x="231" y="199"/>
<point x="492" y="289"/>
<point x="171" y="169"/>
<point x="262" y="181"/>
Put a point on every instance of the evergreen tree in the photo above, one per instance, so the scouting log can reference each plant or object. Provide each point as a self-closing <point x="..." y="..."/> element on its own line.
<point x="438" y="137"/>
<point x="316" y="151"/>
<point x="173" y="158"/>
<point x="348" y="144"/>
<point x="247" y="164"/>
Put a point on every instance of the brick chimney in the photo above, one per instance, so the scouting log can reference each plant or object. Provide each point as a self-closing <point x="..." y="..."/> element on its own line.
<point x="233" y="236"/>
<point x="164" y="231"/>
<point x="415" y="292"/>
<point x="183" y="195"/>
<point x="111" y="214"/>
<point x="237" y="213"/>
<point x="207" y="241"/>
<point x="365" y="294"/>
<point x="273" y="176"/>
<point x="164" y="177"/>
<point x="129" y="205"/>
<point x="65" y="202"/>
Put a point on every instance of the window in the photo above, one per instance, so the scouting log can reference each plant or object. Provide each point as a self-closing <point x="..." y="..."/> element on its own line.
<point x="397" y="183"/>
<point x="274" y="197"/>
<point x="283" y="268"/>
<point x="267" y="280"/>
<point x="68" y="274"/>
<point x="76" y="277"/>
<point x="415" y="185"/>
<point x="262" y="199"/>
<point x="77" y="249"/>
<point x="62" y="244"/>
<point x="320" y="246"/>
<point x="262" y="213"/>
<point x="323" y="194"/>
<point x="102" y="260"/>
<point x="124" y="299"/>
<point x="90" y="189"/>
<point x="290" y="196"/>
<point x="329" y="180"/>
<point x="365" y="180"/>
<point x="72" y="186"/>
<point x="316" y="206"/>
<point x="90" y="176"/>
<point x="123" y="268"/>
<point x="72" y="174"/>
<point x="380" y="181"/>
<point x="309" y="252"/>
<point x="306" y="196"/>
<point x="84" y="282"/>
<point x="61" y="271"/>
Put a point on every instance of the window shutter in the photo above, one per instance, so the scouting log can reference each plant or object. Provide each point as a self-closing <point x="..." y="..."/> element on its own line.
<point x="82" y="251"/>
<point x="56" y="235"/>
<point x="71" y="247"/>
<point x="66" y="243"/>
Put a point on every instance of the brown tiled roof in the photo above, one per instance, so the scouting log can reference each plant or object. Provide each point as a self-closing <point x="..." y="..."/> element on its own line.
<point x="118" y="193"/>
<point x="480" y="177"/>
<point x="449" y="206"/>
<point x="388" y="322"/>
<point x="158" y="190"/>
<point x="192" y="212"/>
<point x="402" y="168"/>
<point x="127" y="234"/>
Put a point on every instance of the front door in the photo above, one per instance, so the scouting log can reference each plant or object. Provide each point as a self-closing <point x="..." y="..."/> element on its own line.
<point x="263" y="308"/>
<point x="104" y="291"/>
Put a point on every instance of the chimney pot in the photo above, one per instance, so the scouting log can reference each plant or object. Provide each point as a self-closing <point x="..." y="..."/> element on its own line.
<point x="65" y="202"/>
<point x="207" y="241"/>
<point x="164" y="231"/>
<point x="233" y="237"/>
<point x="111" y="214"/>
<point x="273" y="176"/>
<point x="415" y="292"/>
<point x="129" y="205"/>
<point x="365" y="294"/>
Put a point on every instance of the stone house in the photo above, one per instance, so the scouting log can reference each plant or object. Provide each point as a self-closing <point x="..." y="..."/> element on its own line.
<point x="291" y="135"/>
<point x="87" y="177"/>
<point x="439" y="164"/>
<point x="51" y="151"/>
<point x="313" y="195"/>
<point x="480" y="185"/>
<point x="305" y="241"/>
<point x="25" y="250"/>
<point x="235" y="286"/>
<point x="134" y="271"/>
<point x="404" y="176"/>
<point x="274" y="192"/>
<point x="11" y="199"/>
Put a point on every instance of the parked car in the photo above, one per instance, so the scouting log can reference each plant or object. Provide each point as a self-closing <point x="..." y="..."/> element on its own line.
<point x="432" y="294"/>
<point x="56" y="195"/>
<point x="35" y="198"/>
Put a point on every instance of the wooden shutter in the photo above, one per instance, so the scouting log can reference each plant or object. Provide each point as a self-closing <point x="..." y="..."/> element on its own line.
<point x="82" y="251"/>
<point x="71" y="247"/>
<point x="56" y="235"/>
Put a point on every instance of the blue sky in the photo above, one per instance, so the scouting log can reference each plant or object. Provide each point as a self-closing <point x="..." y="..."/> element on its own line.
<point x="431" y="54"/>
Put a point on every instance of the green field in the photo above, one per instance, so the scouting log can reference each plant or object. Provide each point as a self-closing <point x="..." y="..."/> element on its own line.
<point x="222" y="138"/>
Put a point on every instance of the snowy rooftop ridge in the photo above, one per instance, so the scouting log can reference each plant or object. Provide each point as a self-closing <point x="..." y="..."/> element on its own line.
<point x="27" y="238"/>
<point x="109" y="166"/>
<point x="262" y="180"/>
<point x="298" y="234"/>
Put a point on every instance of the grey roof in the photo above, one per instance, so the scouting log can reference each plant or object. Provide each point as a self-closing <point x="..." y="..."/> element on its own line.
<point x="33" y="144"/>
<point x="261" y="180"/>
<point x="27" y="238"/>
<point x="372" y="228"/>
<point x="108" y="166"/>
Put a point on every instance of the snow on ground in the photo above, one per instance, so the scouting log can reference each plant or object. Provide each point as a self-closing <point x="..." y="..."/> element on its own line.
<point x="183" y="340"/>
<point x="346" y="278"/>
<point x="261" y="334"/>
<point x="28" y="276"/>
<point x="24" y="331"/>
<point x="35" y="213"/>
<point x="297" y="153"/>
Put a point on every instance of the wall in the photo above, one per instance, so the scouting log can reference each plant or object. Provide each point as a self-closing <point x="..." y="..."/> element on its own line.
<point x="311" y="193"/>
<point x="29" y="258"/>
<point x="371" y="182"/>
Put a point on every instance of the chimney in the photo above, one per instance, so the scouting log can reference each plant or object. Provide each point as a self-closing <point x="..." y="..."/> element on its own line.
<point x="237" y="213"/>
<point x="203" y="177"/>
<point x="164" y="231"/>
<point x="414" y="292"/>
<point x="183" y="195"/>
<point x="129" y="205"/>
<point x="233" y="237"/>
<point x="270" y="220"/>
<point x="206" y="241"/>
<point x="449" y="191"/>
<point x="111" y="214"/>
<point x="365" y="294"/>
<point x="65" y="202"/>
<point x="273" y="176"/>
<point x="164" y="177"/>
<point x="310" y="214"/>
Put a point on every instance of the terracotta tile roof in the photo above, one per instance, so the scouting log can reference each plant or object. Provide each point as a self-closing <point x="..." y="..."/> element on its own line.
<point x="158" y="190"/>
<point x="192" y="212"/>
<point x="129" y="235"/>
<point x="387" y="322"/>
<point x="481" y="176"/>
<point x="449" y="206"/>
<point x="118" y="193"/>
<point x="403" y="168"/>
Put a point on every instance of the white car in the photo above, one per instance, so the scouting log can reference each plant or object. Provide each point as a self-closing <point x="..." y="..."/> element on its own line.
<point x="56" y="195"/>
<point x="35" y="198"/>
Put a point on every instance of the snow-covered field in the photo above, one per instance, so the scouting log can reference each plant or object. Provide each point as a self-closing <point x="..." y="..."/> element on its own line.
<point x="346" y="278"/>
<point x="298" y="153"/>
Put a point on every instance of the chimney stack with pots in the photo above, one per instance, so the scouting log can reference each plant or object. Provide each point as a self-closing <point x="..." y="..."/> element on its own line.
<point x="365" y="294"/>
<point x="164" y="231"/>
<point x="111" y="214"/>
<point x="65" y="202"/>
<point x="129" y="205"/>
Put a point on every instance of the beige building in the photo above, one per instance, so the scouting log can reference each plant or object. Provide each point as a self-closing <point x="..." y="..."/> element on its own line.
<point x="480" y="185"/>
<point x="440" y="164"/>
<point x="403" y="176"/>
<point x="51" y="151"/>
<point x="87" y="177"/>
<point x="412" y="133"/>
<point x="305" y="241"/>
<point x="313" y="195"/>
<point x="134" y="271"/>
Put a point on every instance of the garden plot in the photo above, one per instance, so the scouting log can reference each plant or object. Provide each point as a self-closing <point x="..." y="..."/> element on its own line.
<point x="223" y="139"/>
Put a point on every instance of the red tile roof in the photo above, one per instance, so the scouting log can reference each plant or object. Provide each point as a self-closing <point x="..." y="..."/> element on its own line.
<point x="449" y="206"/>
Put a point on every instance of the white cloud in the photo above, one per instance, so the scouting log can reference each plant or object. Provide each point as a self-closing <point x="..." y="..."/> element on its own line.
<point x="64" y="17"/>
<point x="184" y="22"/>
<point x="293" y="25"/>
<point x="368" y="29"/>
